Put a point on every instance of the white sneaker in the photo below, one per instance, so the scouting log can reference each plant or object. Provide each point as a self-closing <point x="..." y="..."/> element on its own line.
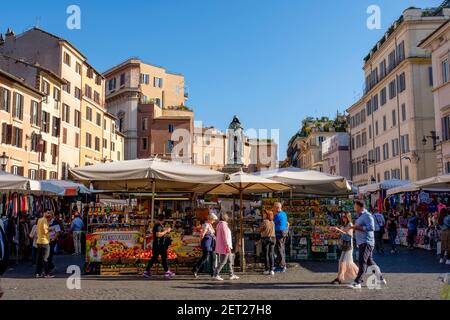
<point x="441" y="260"/>
<point x="218" y="278"/>
<point x="448" y="262"/>
<point x="355" y="285"/>
<point x="234" y="277"/>
<point x="383" y="281"/>
<point x="272" y="273"/>
<point x="266" y="273"/>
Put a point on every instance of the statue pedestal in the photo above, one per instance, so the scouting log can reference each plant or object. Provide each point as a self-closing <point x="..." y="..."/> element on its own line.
<point x="233" y="168"/>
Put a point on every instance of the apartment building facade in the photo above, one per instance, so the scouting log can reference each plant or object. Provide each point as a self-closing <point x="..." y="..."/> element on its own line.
<point x="93" y="146"/>
<point x="336" y="155"/>
<point x="209" y="147"/>
<point x="63" y="59"/>
<point x="438" y="43"/>
<point x="310" y="156"/>
<point x="134" y="87"/>
<point x="263" y="154"/>
<point x="113" y="140"/>
<point x="164" y="133"/>
<point x="358" y="138"/>
<point x="17" y="99"/>
<point x="398" y="104"/>
<point x="83" y="87"/>
<point x="44" y="132"/>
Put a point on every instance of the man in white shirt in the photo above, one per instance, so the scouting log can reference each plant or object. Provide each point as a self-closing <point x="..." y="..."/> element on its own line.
<point x="379" y="231"/>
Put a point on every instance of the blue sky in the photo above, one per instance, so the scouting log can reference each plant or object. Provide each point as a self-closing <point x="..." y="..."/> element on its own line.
<point x="271" y="62"/>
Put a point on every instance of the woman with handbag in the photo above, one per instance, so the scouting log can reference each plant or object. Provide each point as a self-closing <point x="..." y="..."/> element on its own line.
<point x="208" y="245"/>
<point x="347" y="268"/>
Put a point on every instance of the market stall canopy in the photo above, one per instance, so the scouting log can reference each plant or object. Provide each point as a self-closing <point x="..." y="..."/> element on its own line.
<point x="309" y="181"/>
<point x="134" y="175"/>
<point x="12" y="182"/>
<point x="439" y="182"/>
<point x="433" y="184"/>
<point x="384" y="185"/>
<point x="58" y="187"/>
<point x="247" y="183"/>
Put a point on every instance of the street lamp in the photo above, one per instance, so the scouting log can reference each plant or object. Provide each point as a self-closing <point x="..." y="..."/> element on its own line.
<point x="433" y="137"/>
<point x="4" y="161"/>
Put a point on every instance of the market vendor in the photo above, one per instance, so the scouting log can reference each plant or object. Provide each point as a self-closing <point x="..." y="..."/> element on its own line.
<point x="188" y="221"/>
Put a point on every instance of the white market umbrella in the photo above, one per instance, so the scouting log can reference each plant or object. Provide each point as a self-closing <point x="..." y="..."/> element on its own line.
<point x="58" y="187"/>
<point x="441" y="182"/>
<point x="148" y="174"/>
<point x="243" y="183"/>
<point x="433" y="184"/>
<point x="12" y="182"/>
<point x="384" y="185"/>
<point x="309" y="181"/>
<point x="171" y="176"/>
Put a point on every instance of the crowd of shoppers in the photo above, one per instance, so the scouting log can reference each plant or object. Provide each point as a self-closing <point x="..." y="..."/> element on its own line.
<point x="411" y="221"/>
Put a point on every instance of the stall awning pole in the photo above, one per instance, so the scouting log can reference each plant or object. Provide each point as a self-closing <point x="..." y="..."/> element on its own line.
<point x="241" y="202"/>
<point x="153" y="202"/>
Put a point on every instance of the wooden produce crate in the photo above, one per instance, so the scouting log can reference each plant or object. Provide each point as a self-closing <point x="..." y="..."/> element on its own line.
<point x="129" y="270"/>
<point x="109" y="271"/>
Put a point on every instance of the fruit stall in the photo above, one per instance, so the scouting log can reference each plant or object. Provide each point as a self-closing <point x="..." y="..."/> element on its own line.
<point x="120" y="240"/>
<point x="310" y="220"/>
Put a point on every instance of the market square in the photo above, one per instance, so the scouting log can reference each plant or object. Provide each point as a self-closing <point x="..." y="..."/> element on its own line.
<point x="281" y="175"/>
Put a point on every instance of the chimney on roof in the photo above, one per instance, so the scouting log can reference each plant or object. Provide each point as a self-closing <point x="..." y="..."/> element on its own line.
<point x="9" y="36"/>
<point x="10" y="32"/>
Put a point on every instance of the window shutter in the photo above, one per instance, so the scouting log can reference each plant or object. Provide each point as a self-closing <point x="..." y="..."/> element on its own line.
<point x="9" y="134"/>
<point x="14" y="105"/>
<point x="31" y="112"/>
<point x="21" y="108"/>
<point x="4" y="131"/>
<point x="20" y="139"/>
<point x="39" y="115"/>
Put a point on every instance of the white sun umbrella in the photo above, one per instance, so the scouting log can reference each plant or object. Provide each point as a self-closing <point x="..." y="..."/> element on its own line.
<point x="433" y="184"/>
<point x="58" y="187"/>
<point x="148" y="174"/>
<point x="309" y="181"/>
<point x="384" y="185"/>
<point x="439" y="182"/>
<point x="12" y="182"/>
<point x="242" y="183"/>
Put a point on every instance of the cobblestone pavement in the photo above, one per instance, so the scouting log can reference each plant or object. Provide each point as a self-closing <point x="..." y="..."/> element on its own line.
<point x="410" y="274"/>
